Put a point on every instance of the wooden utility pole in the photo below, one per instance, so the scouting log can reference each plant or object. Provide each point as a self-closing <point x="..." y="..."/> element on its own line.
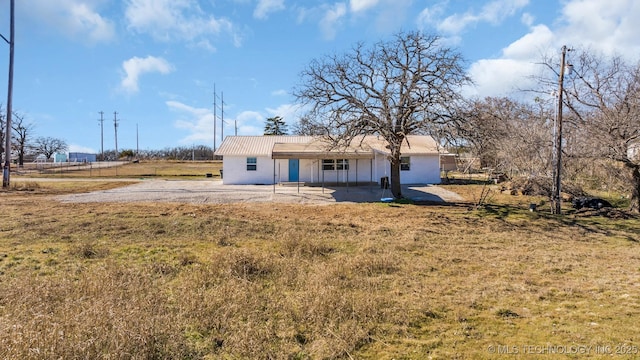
<point x="7" y="148"/>
<point x="556" y="198"/>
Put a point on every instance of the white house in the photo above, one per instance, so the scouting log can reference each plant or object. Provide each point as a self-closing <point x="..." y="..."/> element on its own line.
<point x="273" y="159"/>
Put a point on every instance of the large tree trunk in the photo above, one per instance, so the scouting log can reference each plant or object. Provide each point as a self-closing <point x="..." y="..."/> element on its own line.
<point x="396" y="189"/>
<point x="635" y="193"/>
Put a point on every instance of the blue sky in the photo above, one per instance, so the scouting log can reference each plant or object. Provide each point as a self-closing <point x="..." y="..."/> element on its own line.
<point x="155" y="62"/>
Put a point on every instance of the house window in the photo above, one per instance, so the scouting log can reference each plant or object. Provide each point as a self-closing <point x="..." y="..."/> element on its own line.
<point x="328" y="164"/>
<point x="252" y="164"/>
<point x="405" y="164"/>
<point x="339" y="164"/>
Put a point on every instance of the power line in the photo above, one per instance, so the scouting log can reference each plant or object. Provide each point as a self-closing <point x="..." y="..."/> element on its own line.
<point x="115" y="127"/>
<point x="217" y="106"/>
<point x="214" y="117"/>
<point x="101" y="135"/>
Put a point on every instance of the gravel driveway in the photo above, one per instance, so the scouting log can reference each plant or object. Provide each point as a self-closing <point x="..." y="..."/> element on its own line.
<point x="212" y="191"/>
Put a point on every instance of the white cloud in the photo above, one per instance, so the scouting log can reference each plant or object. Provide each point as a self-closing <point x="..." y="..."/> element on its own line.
<point x="500" y="77"/>
<point x="197" y="121"/>
<point x="513" y="71"/>
<point x="75" y="18"/>
<point x="610" y="27"/>
<point x="532" y="45"/>
<point x="493" y="12"/>
<point x="280" y="92"/>
<point x="176" y="20"/>
<point x="290" y="113"/>
<point x="81" y="149"/>
<point x="250" y="123"/>
<point x="362" y="5"/>
<point x="136" y="66"/>
<point x="380" y="16"/>
<point x="528" y="19"/>
<point x="607" y="27"/>
<point x="265" y="7"/>
<point x="331" y="20"/>
<point x="430" y="16"/>
<point x="392" y="15"/>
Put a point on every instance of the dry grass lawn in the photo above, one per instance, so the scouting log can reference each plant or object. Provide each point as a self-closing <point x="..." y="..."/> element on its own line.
<point x="144" y="168"/>
<point x="274" y="281"/>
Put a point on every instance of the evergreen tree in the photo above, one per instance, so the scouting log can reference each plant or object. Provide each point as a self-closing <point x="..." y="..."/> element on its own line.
<point x="275" y="126"/>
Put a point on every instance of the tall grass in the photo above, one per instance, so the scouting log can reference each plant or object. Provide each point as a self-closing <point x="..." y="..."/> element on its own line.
<point x="266" y="281"/>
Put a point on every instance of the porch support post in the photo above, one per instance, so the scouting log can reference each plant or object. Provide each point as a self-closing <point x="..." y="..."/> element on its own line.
<point x="356" y="172"/>
<point x="371" y="170"/>
<point x="298" y="176"/>
<point x="274" y="176"/>
<point x="347" y="170"/>
<point x="322" y="167"/>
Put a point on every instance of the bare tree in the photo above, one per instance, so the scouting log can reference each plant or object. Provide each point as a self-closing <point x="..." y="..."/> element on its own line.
<point x="391" y="89"/>
<point x="507" y="135"/>
<point x="48" y="146"/>
<point x="22" y="132"/>
<point x="306" y="126"/>
<point x="604" y="96"/>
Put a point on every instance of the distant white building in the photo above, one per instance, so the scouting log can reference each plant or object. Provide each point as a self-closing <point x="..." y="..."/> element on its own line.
<point x="59" y="157"/>
<point x="272" y="159"/>
<point x="82" y="157"/>
<point x="41" y="158"/>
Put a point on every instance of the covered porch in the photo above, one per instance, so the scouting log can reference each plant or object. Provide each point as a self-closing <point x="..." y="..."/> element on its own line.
<point x="316" y="164"/>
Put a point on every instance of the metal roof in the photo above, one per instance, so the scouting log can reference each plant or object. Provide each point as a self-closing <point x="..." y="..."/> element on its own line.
<point x="413" y="145"/>
<point x="256" y="145"/>
<point x="310" y="147"/>
<point x="319" y="148"/>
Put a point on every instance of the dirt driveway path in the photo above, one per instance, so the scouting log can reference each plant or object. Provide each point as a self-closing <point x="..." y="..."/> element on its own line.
<point x="212" y="191"/>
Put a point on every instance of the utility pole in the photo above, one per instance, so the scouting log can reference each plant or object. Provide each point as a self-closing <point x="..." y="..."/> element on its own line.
<point x="215" y="119"/>
<point x="115" y="127"/>
<point x="222" y="117"/>
<point x="137" y="143"/>
<point x="7" y="147"/>
<point x="556" y="200"/>
<point x="101" y="135"/>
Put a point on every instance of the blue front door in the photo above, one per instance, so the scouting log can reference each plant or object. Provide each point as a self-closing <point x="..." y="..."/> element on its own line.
<point x="294" y="169"/>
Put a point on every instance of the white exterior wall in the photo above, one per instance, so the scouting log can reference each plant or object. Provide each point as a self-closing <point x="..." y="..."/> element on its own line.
<point x="359" y="171"/>
<point x="364" y="171"/>
<point x="424" y="170"/>
<point x="235" y="171"/>
<point x="382" y="168"/>
<point x="311" y="171"/>
<point x="308" y="170"/>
